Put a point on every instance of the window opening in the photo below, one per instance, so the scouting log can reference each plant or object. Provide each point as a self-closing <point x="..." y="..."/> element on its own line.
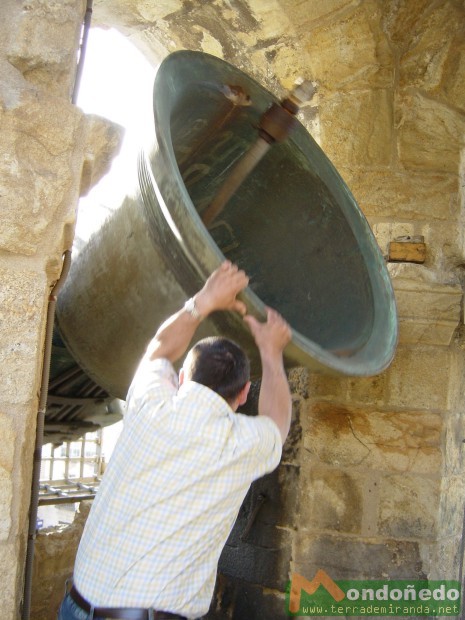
<point x="71" y="473"/>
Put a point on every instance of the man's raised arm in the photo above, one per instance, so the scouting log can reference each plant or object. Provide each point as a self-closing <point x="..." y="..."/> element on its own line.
<point x="218" y="293"/>
<point x="275" y="398"/>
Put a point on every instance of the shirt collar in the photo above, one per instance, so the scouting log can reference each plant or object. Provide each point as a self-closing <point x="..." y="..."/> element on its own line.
<point x="205" y="396"/>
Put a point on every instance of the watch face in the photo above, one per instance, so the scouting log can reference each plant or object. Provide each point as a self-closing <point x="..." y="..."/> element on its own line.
<point x="191" y="308"/>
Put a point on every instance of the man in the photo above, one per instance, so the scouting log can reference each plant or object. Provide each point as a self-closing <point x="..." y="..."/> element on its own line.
<point x="182" y="466"/>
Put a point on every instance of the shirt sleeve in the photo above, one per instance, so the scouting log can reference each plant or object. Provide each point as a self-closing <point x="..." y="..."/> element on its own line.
<point x="259" y="436"/>
<point x="155" y="381"/>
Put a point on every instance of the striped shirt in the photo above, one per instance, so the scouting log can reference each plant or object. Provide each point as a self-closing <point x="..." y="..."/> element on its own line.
<point x="170" y="495"/>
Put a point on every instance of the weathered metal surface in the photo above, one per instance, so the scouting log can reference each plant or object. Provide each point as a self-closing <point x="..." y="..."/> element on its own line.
<point x="293" y="225"/>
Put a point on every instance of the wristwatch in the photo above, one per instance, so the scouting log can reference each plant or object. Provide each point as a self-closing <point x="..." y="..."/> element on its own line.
<point x="191" y="308"/>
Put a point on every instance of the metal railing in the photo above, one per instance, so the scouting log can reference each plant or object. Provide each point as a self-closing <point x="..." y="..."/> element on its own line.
<point x="71" y="472"/>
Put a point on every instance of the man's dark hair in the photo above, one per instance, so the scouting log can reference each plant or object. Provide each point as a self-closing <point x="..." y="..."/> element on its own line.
<point x="220" y="364"/>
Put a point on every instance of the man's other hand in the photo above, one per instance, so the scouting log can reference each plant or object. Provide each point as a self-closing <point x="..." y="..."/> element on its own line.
<point x="272" y="336"/>
<point x="220" y="290"/>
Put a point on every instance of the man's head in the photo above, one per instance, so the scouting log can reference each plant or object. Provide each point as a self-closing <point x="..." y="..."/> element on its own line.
<point x="221" y="365"/>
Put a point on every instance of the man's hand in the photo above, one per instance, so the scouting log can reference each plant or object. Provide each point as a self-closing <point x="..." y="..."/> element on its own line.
<point x="220" y="290"/>
<point x="218" y="293"/>
<point x="272" y="336"/>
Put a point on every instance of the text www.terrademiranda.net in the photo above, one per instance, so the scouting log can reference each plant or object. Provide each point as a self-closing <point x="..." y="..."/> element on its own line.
<point x="386" y="610"/>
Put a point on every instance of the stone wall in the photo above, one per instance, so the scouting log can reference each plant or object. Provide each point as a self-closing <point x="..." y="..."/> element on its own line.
<point x="45" y="143"/>
<point x="372" y="480"/>
<point x="381" y="457"/>
<point x="42" y="153"/>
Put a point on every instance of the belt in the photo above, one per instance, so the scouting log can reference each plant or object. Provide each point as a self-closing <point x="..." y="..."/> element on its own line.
<point x="120" y="613"/>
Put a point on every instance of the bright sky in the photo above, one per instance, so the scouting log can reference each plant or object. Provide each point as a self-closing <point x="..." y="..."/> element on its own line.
<point x="116" y="83"/>
<point x="115" y="76"/>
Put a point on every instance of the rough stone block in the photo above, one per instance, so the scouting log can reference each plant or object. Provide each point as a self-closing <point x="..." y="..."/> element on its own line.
<point x="429" y="44"/>
<point x="457" y="371"/>
<point x="7" y="452"/>
<point x="354" y="558"/>
<point x="454" y="453"/>
<point x="9" y="592"/>
<point x="384" y="441"/>
<point x="400" y="19"/>
<point x="370" y="111"/>
<point x="445" y="240"/>
<point x="45" y="43"/>
<point x="313" y="11"/>
<point x="451" y="513"/>
<point x="397" y="195"/>
<point x="429" y="312"/>
<point x="291" y="447"/>
<point x="417" y="331"/>
<point x="367" y="390"/>
<point x="289" y="62"/>
<point x="453" y="79"/>
<point x="326" y="386"/>
<point x="430" y="134"/>
<point x="332" y="499"/>
<point x="274" y="23"/>
<point x="210" y="45"/>
<point x="259" y="547"/>
<point x="104" y="140"/>
<point x="419" y="379"/>
<point x="447" y="558"/>
<point x="418" y="294"/>
<point x="38" y="167"/>
<point x="6" y="493"/>
<point x="280" y="490"/>
<point x="21" y="320"/>
<point x="408" y="506"/>
<point x="299" y="382"/>
<point x="7" y="445"/>
<point x="346" y="51"/>
<point x="266" y="566"/>
<point x="147" y="11"/>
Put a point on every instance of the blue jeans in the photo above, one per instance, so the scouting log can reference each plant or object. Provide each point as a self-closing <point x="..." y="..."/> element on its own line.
<point x="69" y="610"/>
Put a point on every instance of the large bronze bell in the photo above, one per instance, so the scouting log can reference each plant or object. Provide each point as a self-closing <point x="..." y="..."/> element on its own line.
<point x="292" y="225"/>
